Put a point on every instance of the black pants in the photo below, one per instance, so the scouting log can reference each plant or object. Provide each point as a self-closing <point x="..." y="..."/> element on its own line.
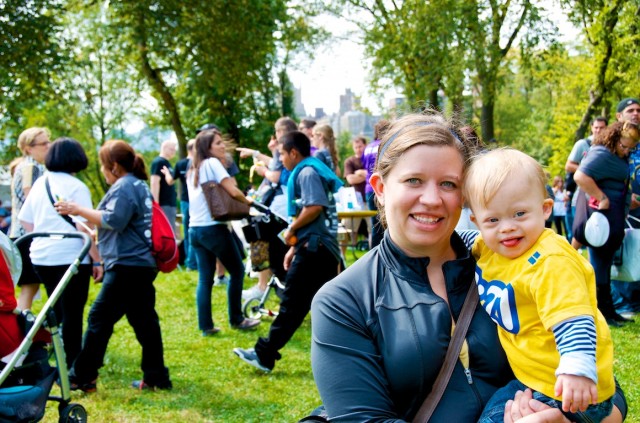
<point x="69" y="309"/>
<point x="306" y="275"/>
<point x="126" y="290"/>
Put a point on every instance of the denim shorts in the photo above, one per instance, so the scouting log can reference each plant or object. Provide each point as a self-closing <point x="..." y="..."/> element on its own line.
<point x="494" y="410"/>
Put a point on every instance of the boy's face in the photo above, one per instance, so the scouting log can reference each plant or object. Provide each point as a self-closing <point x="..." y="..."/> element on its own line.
<point x="514" y="218"/>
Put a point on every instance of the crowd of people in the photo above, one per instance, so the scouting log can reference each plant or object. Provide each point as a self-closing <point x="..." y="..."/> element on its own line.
<point x="450" y="215"/>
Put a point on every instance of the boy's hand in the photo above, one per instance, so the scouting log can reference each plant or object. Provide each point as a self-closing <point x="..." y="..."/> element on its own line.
<point x="577" y="392"/>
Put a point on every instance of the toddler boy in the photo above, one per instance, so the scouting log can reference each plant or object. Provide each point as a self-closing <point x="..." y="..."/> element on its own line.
<point x="539" y="290"/>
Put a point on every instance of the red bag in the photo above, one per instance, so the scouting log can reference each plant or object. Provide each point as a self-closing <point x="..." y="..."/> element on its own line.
<point x="163" y="241"/>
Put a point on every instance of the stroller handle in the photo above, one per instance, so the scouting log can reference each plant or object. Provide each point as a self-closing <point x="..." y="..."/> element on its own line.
<point x="86" y="244"/>
<point x="260" y="207"/>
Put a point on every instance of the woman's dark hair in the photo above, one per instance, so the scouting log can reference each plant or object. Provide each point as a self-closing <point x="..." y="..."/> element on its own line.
<point x="296" y="140"/>
<point x="610" y="136"/>
<point x="120" y="152"/>
<point x="66" y="155"/>
<point x="202" y="150"/>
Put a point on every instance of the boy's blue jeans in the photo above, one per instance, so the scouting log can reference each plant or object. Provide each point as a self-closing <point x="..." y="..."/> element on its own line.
<point x="494" y="410"/>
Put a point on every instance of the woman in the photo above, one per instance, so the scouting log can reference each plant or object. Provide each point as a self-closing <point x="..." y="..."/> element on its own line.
<point x="124" y="242"/>
<point x="559" y="204"/>
<point x="324" y="140"/>
<point x="603" y="180"/>
<point x="34" y="144"/>
<point x="51" y="258"/>
<point x="211" y="239"/>
<point x="382" y="327"/>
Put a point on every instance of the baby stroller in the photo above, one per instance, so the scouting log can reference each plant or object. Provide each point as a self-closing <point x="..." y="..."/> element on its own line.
<point x="267" y="250"/>
<point x="27" y="378"/>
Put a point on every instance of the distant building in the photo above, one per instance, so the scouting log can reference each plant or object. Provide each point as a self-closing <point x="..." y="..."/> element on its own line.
<point x="298" y="107"/>
<point x="319" y="113"/>
<point x="346" y="102"/>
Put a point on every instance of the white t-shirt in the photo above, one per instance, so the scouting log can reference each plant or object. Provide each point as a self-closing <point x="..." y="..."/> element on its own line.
<point x="210" y="170"/>
<point x="39" y="211"/>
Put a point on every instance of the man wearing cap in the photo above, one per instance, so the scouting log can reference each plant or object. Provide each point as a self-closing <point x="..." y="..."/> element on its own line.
<point x="626" y="296"/>
<point x="161" y="181"/>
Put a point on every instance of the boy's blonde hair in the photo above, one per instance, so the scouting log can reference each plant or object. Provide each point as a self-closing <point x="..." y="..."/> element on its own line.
<point x="488" y="171"/>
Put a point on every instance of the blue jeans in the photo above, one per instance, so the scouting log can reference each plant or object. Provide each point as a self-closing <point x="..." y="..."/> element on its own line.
<point x="211" y="243"/>
<point x="190" y="255"/>
<point x="494" y="410"/>
<point x="568" y="222"/>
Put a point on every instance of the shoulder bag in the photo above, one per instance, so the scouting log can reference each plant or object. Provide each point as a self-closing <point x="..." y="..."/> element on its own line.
<point x="222" y="206"/>
<point x="626" y="265"/>
<point x="53" y="202"/>
<point x="453" y="352"/>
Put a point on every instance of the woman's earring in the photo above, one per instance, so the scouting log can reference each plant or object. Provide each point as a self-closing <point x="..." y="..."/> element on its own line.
<point x="114" y="172"/>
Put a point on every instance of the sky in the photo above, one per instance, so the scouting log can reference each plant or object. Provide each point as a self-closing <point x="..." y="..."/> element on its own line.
<point x="342" y="65"/>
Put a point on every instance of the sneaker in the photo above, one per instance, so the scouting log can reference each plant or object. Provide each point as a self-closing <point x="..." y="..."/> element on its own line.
<point x="246" y="324"/>
<point x="249" y="356"/>
<point x="141" y="385"/>
<point x="210" y="332"/>
<point x="626" y="314"/>
<point x="221" y="280"/>
<point x="253" y="292"/>
<point x="88" y="387"/>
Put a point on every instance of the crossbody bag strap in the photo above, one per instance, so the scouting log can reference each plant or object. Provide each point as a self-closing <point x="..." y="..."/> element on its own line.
<point x="64" y="216"/>
<point x="453" y="352"/>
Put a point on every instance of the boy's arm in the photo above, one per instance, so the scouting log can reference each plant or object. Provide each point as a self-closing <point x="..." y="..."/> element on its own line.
<point x="577" y="374"/>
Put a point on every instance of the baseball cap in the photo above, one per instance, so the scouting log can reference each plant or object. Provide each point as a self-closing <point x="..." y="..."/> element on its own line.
<point x="206" y="127"/>
<point x="596" y="231"/>
<point x="626" y="103"/>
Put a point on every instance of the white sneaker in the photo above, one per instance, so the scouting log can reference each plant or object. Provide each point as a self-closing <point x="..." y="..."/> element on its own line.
<point x="253" y="292"/>
<point x="224" y="280"/>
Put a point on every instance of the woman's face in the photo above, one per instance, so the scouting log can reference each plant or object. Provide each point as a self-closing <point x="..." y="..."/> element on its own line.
<point x="39" y="147"/>
<point x="422" y="199"/>
<point x="218" y="148"/>
<point x="625" y="146"/>
<point x="108" y="174"/>
<point x="317" y="140"/>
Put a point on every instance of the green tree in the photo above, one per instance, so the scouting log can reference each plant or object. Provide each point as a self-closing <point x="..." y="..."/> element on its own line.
<point x="612" y="34"/>
<point x="31" y="52"/>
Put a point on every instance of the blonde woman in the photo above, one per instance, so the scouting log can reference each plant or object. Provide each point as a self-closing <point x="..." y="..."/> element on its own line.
<point x="34" y="145"/>
<point x="324" y="140"/>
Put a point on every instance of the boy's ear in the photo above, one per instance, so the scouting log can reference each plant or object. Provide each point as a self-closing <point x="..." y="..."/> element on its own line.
<point x="472" y="217"/>
<point x="547" y="207"/>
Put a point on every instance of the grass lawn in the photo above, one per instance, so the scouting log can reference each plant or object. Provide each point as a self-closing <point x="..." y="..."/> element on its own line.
<point x="212" y="385"/>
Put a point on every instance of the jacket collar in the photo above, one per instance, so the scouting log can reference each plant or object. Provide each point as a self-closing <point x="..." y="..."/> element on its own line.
<point x="414" y="269"/>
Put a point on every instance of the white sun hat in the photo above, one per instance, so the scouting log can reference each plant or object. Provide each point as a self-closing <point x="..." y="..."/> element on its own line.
<point x="596" y="230"/>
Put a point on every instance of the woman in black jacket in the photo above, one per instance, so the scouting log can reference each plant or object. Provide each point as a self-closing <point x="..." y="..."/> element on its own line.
<point x="382" y="327"/>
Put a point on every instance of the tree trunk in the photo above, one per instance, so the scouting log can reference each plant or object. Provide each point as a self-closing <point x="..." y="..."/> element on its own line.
<point x="154" y="77"/>
<point x="486" y="121"/>
<point x="597" y="93"/>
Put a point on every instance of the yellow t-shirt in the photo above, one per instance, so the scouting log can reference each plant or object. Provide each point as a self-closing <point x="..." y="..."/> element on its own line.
<point x="527" y="296"/>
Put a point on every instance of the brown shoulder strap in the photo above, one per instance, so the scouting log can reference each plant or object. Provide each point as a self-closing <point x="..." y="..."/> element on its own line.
<point x="459" y="333"/>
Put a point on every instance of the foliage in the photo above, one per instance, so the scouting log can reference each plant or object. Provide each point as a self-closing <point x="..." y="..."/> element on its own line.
<point x="30" y="54"/>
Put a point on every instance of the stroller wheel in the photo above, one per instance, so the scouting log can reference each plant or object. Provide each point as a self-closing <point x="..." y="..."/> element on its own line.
<point x="73" y="413"/>
<point x="251" y="308"/>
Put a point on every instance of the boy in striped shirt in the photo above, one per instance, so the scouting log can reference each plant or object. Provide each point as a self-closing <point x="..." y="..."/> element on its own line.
<point x="539" y="290"/>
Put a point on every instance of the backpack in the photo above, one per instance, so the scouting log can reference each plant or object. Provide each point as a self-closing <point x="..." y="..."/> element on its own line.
<point x="163" y="241"/>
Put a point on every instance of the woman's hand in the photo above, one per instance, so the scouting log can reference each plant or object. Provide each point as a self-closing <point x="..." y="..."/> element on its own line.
<point x="604" y="203"/>
<point x="66" y="207"/>
<point x="524" y="409"/>
<point x="98" y="273"/>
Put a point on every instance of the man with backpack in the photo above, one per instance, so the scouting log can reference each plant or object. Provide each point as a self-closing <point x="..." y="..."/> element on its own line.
<point x="314" y="254"/>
